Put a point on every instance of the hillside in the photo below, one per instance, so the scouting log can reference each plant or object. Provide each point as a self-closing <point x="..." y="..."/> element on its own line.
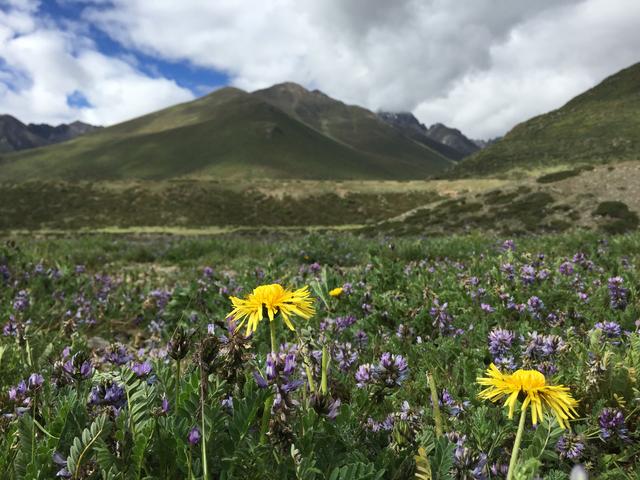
<point x="600" y="125"/>
<point x="15" y="135"/>
<point x="233" y="134"/>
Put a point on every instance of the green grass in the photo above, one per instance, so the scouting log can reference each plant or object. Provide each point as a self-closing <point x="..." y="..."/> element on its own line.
<point x="601" y="125"/>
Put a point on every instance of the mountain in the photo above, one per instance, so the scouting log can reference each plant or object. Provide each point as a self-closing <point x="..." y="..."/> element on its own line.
<point x="600" y="125"/>
<point x="450" y="142"/>
<point x="355" y="126"/>
<point x="15" y="135"/>
<point x="282" y="132"/>
<point x="453" y="138"/>
<point x="409" y="125"/>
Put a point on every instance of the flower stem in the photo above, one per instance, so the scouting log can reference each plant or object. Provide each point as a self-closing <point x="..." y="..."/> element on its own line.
<point x="436" y="405"/>
<point x="177" y="383"/>
<point x="205" y="469"/>
<point x="516" y="445"/>
<point x="274" y="341"/>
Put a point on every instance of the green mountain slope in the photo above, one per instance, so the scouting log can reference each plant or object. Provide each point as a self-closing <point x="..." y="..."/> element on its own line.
<point x="601" y="125"/>
<point x="352" y="125"/>
<point x="227" y="134"/>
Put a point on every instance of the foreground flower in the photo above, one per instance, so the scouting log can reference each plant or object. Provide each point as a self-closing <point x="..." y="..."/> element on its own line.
<point x="269" y="301"/>
<point x="336" y="292"/>
<point x="532" y="385"/>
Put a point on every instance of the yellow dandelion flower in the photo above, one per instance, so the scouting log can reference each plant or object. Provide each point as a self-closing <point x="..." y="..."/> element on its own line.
<point x="269" y="301"/>
<point x="532" y="385"/>
<point x="336" y="292"/>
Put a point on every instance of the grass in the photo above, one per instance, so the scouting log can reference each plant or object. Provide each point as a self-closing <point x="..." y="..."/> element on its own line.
<point x="599" y="126"/>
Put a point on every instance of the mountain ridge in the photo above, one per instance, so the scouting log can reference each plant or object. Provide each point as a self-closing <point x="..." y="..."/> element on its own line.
<point x="231" y="133"/>
<point x="16" y="135"/>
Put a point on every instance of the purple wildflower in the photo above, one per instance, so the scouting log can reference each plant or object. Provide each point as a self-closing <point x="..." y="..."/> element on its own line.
<point x="612" y="424"/>
<point x="194" y="436"/>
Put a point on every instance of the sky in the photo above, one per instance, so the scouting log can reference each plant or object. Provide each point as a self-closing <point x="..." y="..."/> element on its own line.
<point x="478" y="65"/>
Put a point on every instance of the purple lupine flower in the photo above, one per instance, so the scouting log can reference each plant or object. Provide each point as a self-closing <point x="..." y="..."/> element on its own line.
<point x="367" y="308"/>
<point x="570" y="447"/>
<point x="260" y="381"/>
<point x="345" y="322"/>
<point x="35" y="381"/>
<point x="10" y="328"/>
<point x="165" y="407"/>
<point x="108" y="394"/>
<point x="442" y="319"/>
<point x="527" y="274"/>
<point x="543" y="274"/>
<point x="610" y="330"/>
<point x="618" y="295"/>
<point x="485" y="307"/>
<point x="500" y="341"/>
<point x="117" y="354"/>
<point x="289" y="364"/>
<point x="227" y="403"/>
<point x="535" y="305"/>
<point x="61" y="462"/>
<point x="566" y="268"/>
<point x="508" y="245"/>
<point x="270" y="366"/>
<point x="505" y="363"/>
<point x="194" y="436"/>
<point x="207" y="272"/>
<point x="347" y="289"/>
<point x="364" y="375"/>
<point x="612" y="424"/>
<point x="141" y="369"/>
<point x="508" y="270"/>
<point x="345" y="355"/>
<point x="21" y="301"/>
<point x="392" y="369"/>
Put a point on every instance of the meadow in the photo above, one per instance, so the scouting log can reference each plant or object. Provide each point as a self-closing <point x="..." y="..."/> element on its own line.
<point x="120" y="359"/>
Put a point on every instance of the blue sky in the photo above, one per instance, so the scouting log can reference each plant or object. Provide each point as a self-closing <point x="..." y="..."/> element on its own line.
<point x="199" y="80"/>
<point x="478" y="65"/>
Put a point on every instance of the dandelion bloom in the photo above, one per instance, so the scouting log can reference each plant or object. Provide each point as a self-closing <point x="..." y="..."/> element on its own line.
<point x="269" y="301"/>
<point x="336" y="292"/>
<point x="532" y="385"/>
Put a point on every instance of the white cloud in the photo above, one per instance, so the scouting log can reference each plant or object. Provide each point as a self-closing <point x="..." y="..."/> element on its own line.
<point x="478" y="65"/>
<point x="41" y="66"/>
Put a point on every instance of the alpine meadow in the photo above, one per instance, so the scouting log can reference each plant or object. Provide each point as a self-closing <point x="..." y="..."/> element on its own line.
<point x="341" y="240"/>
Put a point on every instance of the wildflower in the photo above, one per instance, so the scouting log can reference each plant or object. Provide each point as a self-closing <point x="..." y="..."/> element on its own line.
<point x="612" y="424"/>
<point x="538" y="394"/>
<point x="194" y="436"/>
<point x="268" y="301"/>
<point x="442" y="319"/>
<point x="566" y="269"/>
<point x="618" y="295"/>
<point x="21" y="301"/>
<point x="35" y="381"/>
<point x="141" y="369"/>
<point x="610" y="330"/>
<point x="500" y="341"/>
<point x="485" y="307"/>
<point x="570" y="447"/>
<point x="392" y="369"/>
<point x="336" y="292"/>
<point x="364" y="375"/>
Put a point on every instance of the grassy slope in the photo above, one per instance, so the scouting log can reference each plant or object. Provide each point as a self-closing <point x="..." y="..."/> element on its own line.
<point x="229" y="134"/>
<point x="601" y="125"/>
<point x="351" y="125"/>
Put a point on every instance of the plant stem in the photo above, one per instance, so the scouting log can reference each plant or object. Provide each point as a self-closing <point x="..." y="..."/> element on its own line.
<point x="516" y="445"/>
<point x="177" y="383"/>
<point x="266" y="414"/>
<point x="205" y="469"/>
<point x="274" y="341"/>
<point x="436" y="405"/>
